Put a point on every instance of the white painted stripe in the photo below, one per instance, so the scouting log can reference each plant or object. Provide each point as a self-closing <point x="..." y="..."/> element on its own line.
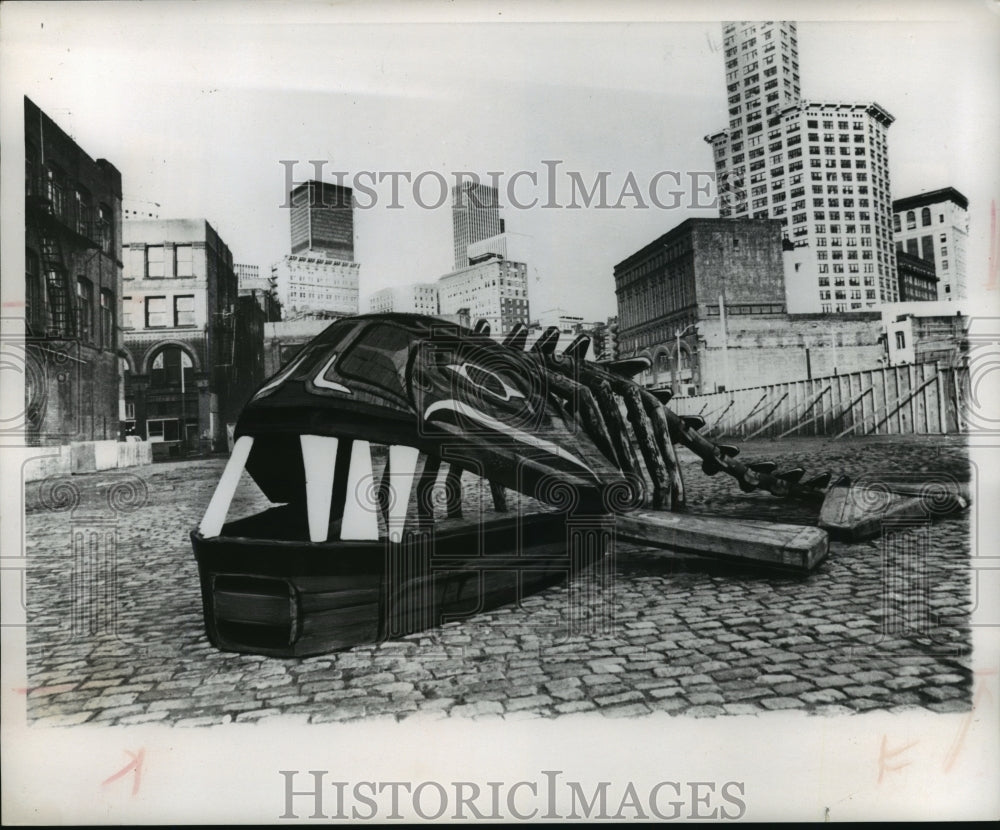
<point x="360" y="521"/>
<point x="402" y="469"/>
<point x="218" y="507"/>
<point x="506" y="429"/>
<point x="319" y="457"/>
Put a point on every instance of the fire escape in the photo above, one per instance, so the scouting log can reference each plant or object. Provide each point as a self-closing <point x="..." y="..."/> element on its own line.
<point x="54" y="317"/>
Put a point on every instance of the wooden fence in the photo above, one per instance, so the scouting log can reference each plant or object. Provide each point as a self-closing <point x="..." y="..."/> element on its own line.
<point x="912" y="399"/>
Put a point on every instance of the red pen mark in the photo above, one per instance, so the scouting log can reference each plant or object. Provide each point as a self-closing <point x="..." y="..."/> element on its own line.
<point x="135" y="765"/>
<point x="981" y="690"/>
<point x="885" y="755"/>
<point x="14" y="304"/>
<point x="44" y="690"/>
<point x="994" y="263"/>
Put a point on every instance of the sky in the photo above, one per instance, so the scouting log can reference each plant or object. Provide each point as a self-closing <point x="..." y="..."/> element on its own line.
<point x="198" y="105"/>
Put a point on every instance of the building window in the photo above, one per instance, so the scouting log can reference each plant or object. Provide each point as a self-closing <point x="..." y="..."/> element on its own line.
<point x="85" y="308"/>
<point x="135" y="263"/>
<point x="911" y="220"/>
<point x="184" y="310"/>
<point x="55" y="190"/>
<point x="900" y="340"/>
<point x="154" y="261"/>
<point x="55" y="283"/>
<point x="107" y="318"/>
<point x="156" y="312"/>
<point x="107" y="237"/>
<point x="184" y="261"/>
<point x="167" y="366"/>
<point x="82" y="210"/>
<point x="127" y="313"/>
<point x="925" y="216"/>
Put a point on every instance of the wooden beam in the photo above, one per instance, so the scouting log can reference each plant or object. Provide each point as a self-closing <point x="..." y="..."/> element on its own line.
<point x="856" y="513"/>
<point x="765" y="544"/>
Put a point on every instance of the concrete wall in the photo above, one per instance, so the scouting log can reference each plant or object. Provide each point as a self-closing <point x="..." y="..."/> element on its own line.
<point x="88" y="457"/>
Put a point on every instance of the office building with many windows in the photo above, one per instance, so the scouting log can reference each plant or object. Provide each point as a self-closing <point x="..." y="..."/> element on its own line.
<point x="322" y="220"/>
<point x="494" y="289"/>
<point x="475" y="216"/>
<point x="819" y="167"/>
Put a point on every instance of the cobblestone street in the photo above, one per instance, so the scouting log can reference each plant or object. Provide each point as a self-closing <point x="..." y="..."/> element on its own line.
<point x="879" y="625"/>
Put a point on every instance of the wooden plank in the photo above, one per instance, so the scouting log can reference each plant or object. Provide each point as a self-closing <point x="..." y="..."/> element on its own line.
<point x="769" y="545"/>
<point x="939" y="392"/>
<point x="856" y="513"/>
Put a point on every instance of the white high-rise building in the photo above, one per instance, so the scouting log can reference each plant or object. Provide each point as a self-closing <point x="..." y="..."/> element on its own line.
<point x="820" y="167"/>
<point x="495" y="290"/>
<point x="310" y="283"/>
<point x="935" y="226"/>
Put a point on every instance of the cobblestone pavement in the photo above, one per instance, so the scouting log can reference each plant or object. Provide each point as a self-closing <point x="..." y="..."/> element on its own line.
<point x="879" y="625"/>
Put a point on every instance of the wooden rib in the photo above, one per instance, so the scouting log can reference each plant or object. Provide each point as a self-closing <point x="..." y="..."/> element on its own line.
<point x="319" y="459"/>
<point x="218" y="507"/>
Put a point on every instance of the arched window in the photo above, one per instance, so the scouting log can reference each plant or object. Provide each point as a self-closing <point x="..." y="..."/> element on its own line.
<point x="167" y="366"/>
<point x="897" y="226"/>
<point x="925" y="216"/>
<point x="911" y="220"/>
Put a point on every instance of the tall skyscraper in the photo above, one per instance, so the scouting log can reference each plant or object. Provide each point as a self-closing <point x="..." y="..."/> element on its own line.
<point x="322" y="220"/>
<point x="320" y="276"/>
<point x="820" y="167"/>
<point x="475" y="216"/>
<point x="935" y="226"/>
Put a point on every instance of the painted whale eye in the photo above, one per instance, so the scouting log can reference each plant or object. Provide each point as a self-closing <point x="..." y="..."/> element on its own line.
<point x="486" y="380"/>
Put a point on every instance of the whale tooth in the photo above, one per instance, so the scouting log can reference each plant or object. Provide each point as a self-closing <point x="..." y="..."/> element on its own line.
<point x="218" y="507"/>
<point x="360" y="522"/>
<point x="319" y="457"/>
<point x="403" y="467"/>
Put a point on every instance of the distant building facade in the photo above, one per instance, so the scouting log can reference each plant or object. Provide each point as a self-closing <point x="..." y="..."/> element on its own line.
<point x="310" y="283"/>
<point x="561" y="319"/>
<point x="678" y="279"/>
<point x="72" y="289"/>
<point x="475" y="215"/>
<point x="917" y="278"/>
<point x="821" y="168"/>
<point x="705" y="303"/>
<point x="935" y="227"/>
<point x="495" y="290"/>
<point x="416" y="298"/>
<point x="320" y="277"/>
<point x="262" y="288"/>
<point x="926" y="332"/>
<point x="193" y="346"/>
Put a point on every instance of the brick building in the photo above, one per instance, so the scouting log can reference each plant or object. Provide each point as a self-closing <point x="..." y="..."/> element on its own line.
<point x="705" y="303"/>
<point x="699" y="271"/>
<point x="194" y="347"/>
<point x="72" y="290"/>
